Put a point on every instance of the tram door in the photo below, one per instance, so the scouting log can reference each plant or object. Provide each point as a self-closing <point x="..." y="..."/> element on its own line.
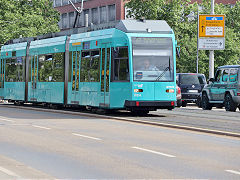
<point x="1" y="73"/>
<point x="34" y="77"/>
<point x="106" y="54"/>
<point x="75" y="73"/>
<point x="1" y="78"/>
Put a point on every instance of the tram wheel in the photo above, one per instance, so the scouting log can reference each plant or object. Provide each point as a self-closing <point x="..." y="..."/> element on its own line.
<point x="140" y="112"/>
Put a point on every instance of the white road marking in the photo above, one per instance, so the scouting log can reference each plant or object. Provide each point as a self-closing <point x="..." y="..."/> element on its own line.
<point x="80" y="135"/>
<point x="155" y="152"/>
<point x="8" y="172"/>
<point x="5" y="119"/>
<point x="41" y="127"/>
<point x="234" y="172"/>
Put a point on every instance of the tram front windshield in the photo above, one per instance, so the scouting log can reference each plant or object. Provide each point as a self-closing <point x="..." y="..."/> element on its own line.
<point x="152" y="59"/>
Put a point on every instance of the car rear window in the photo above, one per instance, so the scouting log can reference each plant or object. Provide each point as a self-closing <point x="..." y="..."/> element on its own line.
<point x="202" y="79"/>
<point x="186" y="79"/>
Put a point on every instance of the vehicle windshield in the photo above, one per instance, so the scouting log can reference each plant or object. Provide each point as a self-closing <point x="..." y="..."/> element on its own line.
<point x="152" y="59"/>
<point x="186" y="79"/>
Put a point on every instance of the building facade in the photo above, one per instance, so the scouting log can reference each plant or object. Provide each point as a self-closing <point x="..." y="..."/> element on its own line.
<point x="231" y="2"/>
<point x="99" y="11"/>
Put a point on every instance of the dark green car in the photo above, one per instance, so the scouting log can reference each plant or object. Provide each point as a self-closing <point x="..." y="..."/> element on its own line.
<point x="223" y="90"/>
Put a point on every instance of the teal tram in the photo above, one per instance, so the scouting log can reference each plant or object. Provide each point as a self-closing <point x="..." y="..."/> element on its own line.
<point x="131" y="66"/>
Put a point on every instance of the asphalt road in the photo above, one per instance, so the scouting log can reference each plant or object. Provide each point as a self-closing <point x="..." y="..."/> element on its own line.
<point x="35" y="144"/>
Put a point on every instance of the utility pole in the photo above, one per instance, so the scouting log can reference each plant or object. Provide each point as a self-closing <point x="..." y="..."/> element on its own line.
<point x="78" y="10"/>
<point x="211" y="54"/>
<point x="197" y="40"/>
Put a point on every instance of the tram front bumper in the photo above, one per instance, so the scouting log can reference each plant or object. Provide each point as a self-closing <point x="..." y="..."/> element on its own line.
<point x="150" y="105"/>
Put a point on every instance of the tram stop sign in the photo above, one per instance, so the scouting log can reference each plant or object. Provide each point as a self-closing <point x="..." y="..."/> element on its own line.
<point x="211" y="32"/>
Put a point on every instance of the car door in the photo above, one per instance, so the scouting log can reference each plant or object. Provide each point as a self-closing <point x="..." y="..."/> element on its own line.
<point x="214" y="90"/>
<point x="223" y="84"/>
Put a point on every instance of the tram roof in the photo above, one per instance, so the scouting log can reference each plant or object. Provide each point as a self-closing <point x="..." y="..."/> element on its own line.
<point x="144" y="26"/>
<point x="127" y="26"/>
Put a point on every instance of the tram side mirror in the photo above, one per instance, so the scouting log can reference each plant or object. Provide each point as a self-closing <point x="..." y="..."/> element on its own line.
<point x="177" y="49"/>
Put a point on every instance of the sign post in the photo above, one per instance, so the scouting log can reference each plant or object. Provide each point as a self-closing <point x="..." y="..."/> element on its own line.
<point x="211" y="36"/>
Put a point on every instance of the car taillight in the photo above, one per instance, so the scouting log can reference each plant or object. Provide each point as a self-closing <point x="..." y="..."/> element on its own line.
<point x="179" y="90"/>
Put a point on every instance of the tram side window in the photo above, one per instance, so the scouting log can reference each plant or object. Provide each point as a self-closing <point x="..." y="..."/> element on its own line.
<point x="14" y="69"/>
<point x="51" y="67"/>
<point x="120" y="64"/>
<point x="58" y="67"/>
<point x="90" y="66"/>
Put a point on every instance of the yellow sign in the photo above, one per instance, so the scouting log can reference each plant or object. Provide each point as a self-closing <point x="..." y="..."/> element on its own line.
<point x="76" y="44"/>
<point x="211" y="25"/>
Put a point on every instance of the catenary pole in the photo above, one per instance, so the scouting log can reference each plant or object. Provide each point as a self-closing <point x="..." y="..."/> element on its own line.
<point x="211" y="54"/>
<point x="197" y="40"/>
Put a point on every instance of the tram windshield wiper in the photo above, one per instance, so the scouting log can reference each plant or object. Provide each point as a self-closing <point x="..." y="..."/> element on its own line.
<point x="165" y="70"/>
<point x="162" y="74"/>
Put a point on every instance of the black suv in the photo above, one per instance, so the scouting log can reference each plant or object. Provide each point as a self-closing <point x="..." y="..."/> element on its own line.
<point x="191" y="85"/>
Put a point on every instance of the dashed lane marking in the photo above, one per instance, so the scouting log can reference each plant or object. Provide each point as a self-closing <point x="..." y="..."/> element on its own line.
<point x="233" y="172"/>
<point x="89" y="137"/>
<point x="154" y="152"/>
<point x="41" y="127"/>
<point x="5" y="119"/>
<point x="8" y="172"/>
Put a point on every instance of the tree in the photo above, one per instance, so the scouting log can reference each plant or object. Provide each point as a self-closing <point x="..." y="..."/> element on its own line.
<point x="182" y="18"/>
<point x="26" y="18"/>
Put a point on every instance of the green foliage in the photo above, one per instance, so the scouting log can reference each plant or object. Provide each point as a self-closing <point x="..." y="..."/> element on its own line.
<point x="182" y="18"/>
<point x="26" y="18"/>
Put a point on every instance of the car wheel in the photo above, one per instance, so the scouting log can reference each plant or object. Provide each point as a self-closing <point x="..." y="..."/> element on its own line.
<point x="229" y="103"/>
<point x="199" y="102"/>
<point x="184" y="104"/>
<point x="205" y="102"/>
<point x="179" y="103"/>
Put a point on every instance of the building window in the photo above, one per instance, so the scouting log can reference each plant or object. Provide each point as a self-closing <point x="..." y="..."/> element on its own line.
<point x="64" y="21"/>
<point x="112" y="12"/>
<point x="95" y="16"/>
<point x="103" y="14"/>
<point x="71" y="19"/>
<point x="65" y="2"/>
<point x="86" y="12"/>
<point x="58" y="3"/>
